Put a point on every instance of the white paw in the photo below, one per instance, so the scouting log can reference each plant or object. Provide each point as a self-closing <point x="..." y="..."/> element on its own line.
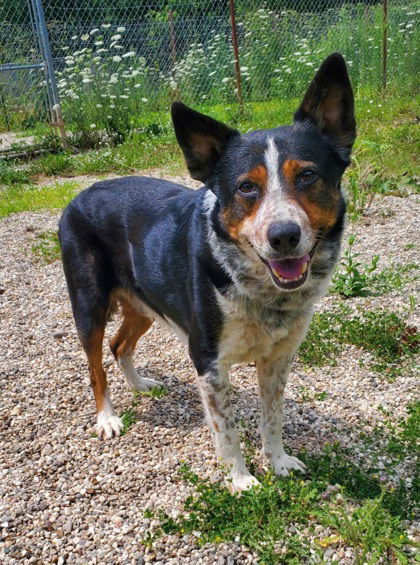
<point x="141" y="384"/>
<point x="237" y="483"/>
<point x="109" y="425"/>
<point x="285" y="463"/>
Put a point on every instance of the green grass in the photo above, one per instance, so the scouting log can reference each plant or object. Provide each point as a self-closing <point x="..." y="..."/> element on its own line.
<point x="370" y="521"/>
<point x="20" y="198"/>
<point x="385" y="154"/>
<point x="47" y="247"/>
<point x="382" y="333"/>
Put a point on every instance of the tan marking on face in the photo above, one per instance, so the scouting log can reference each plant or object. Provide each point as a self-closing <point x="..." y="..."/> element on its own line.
<point x="241" y="209"/>
<point x="319" y="202"/>
<point x="292" y="167"/>
<point x="321" y="217"/>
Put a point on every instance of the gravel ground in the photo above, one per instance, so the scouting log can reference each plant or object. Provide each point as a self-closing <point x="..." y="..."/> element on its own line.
<point x="67" y="497"/>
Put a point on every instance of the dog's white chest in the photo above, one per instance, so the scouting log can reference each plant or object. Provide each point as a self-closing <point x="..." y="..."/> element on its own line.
<point x="244" y="337"/>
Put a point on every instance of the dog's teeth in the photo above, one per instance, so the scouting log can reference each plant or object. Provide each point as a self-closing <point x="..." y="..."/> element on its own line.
<point x="305" y="268"/>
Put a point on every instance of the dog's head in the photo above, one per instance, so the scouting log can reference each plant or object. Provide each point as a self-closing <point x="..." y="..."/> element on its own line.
<point x="278" y="190"/>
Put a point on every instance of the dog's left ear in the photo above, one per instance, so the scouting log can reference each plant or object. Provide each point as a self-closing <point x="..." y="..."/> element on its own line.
<point x="201" y="138"/>
<point x="329" y="103"/>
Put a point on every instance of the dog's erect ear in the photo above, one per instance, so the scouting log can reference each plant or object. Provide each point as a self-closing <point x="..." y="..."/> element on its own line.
<point x="329" y="102"/>
<point x="201" y="138"/>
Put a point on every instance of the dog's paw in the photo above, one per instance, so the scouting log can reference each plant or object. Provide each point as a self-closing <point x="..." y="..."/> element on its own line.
<point x="237" y="483"/>
<point x="285" y="463"/>
<point x="142" y="384"/>
<point x="109" y="425"/>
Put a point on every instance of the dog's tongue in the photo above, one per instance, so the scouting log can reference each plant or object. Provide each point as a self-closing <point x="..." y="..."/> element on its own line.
<point x="289" y="268"/>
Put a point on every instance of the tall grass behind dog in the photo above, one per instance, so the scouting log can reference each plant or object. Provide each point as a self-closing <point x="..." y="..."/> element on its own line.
<point x="234" y="268"/>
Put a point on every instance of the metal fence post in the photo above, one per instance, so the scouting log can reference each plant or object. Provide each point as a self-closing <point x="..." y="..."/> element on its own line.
<point x="385" y="43"/>
<point x="44" y="42"/>
<point x="236" y="55"/>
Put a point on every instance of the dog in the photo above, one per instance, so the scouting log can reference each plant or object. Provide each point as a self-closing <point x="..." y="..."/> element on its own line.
<point x="234" y="268"/>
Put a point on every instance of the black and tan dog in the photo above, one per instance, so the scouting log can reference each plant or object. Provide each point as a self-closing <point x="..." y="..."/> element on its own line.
<point x="234" y="267"/>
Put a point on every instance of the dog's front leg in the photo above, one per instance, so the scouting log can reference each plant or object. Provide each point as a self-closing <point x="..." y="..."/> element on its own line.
<point x="272" y="379"/>
<point x="214" y="389"/>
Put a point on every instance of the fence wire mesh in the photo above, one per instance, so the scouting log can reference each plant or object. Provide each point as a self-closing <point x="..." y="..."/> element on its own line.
<point x="119" y="64"/>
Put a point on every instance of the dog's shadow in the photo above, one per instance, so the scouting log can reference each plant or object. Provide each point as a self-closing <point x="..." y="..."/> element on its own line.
<point x="180" y="407"/>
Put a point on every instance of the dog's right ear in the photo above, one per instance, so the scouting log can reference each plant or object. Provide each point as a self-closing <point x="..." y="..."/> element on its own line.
<point x="201" y="138"/>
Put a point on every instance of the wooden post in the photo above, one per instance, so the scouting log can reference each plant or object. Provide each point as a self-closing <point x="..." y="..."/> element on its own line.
<point x="385" y="44"/>
<point x="236" y="55"/>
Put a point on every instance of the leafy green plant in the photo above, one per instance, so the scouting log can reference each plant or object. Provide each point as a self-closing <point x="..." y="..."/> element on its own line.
<point x="129" y="417"/>
<point x="274" y="518"/>
<point x="371" y="531"/>
<point x="353" y="277"/>
<point x="47" y="246"/>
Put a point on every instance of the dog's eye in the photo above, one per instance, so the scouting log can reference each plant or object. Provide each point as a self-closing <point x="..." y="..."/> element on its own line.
<point x="309" y="176"/>
<point x="248" y="189"/>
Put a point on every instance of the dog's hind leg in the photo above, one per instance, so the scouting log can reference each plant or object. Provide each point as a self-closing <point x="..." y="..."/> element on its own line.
<point x="122" y="345"/>
<point x="108" y="423"/>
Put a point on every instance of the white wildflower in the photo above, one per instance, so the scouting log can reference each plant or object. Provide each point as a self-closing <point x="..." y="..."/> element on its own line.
<point x="99" y="106"/>
<point x="226" y="79"/>
<point x="99" y="43"/>
<point x="93" y="126"/>
<point x="120" y="29"/>
<point x="106" y="26"/>
<point x="129" y="54"/>
<point x="115" y="37"/>
<point x="123" y="96"/>
<point x="93" y="31"/>
<point x="74" y="37"/>
<point x="84" y="37"/>
<point x="112" y="105"/>
<point x="116" y="58"/>
<point x="137" y="85"/>
<point x="145" y="100"/>
<point x="86" y="80"/>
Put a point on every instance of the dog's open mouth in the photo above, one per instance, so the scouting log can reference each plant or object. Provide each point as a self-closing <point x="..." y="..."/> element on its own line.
<point x="290" y="273"/>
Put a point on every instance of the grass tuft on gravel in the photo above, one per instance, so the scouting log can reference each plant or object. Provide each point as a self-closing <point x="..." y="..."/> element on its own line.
<point x="383" y="333"/>
<point x="47" y="247"/>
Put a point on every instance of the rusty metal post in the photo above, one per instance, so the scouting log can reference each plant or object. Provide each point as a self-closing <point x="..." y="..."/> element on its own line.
<point x="236" y="55"/>
<point x="385" y="44"/>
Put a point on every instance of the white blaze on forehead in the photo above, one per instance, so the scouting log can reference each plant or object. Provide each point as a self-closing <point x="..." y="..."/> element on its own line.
<point x="271" y="156"/>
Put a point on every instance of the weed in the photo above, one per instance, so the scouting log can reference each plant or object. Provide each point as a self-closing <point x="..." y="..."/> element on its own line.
<point x="371" y="531"/>
<point x="305" y="395"/>
<point x="53" y="164"/>
<point x="383" y="333"/>
<point x="10" y="175"/>
<point x="47" y="247"/>
<point x="155" y="392"/>
<point x="20" y="199"/>
<point x="129" y="417"/>
<point x="353" y="277"/>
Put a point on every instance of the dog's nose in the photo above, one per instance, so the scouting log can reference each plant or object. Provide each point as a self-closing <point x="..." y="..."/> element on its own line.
<point x="284" y="236"/>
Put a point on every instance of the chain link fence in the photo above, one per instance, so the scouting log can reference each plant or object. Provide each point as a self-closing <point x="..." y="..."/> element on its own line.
<point x="119" y="64"/>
